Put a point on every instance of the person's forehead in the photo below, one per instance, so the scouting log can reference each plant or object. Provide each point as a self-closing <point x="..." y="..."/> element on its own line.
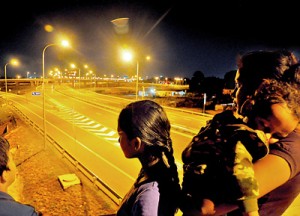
<point x="280" y="109"/>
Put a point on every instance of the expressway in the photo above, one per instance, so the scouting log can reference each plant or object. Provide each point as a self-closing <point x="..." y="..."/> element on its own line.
<point x="83" y="123"/>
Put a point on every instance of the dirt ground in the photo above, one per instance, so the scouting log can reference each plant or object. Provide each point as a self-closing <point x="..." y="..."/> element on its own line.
<point x="37" y="180"/>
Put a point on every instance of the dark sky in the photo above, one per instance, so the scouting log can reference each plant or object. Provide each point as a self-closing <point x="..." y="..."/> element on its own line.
<point x="180" y="36"/>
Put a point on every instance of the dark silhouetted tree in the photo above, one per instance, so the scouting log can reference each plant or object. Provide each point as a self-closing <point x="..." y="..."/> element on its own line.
<point x="197" y="82"/>
<point x="213" y="86"/>
<point x="229" y="82"/>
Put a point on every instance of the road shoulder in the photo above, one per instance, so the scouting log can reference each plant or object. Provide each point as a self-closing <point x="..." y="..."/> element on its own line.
<point x="37" y="181"/>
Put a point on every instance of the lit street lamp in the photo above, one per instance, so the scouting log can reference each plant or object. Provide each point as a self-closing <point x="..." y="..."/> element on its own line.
<point x="64" y="44"/>
<point x="127" y="56"/>
<point x="12" y="62"/>
<point x="74" y="67"/>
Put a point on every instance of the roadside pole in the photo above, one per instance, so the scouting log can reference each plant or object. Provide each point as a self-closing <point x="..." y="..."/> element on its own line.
<point x="204" y="102"/>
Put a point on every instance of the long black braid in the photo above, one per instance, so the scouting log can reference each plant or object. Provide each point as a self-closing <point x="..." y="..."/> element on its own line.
<point x="147" y="120"/>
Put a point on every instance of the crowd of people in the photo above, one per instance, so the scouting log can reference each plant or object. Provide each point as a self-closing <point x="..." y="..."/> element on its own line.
<point x="245" y="161"/>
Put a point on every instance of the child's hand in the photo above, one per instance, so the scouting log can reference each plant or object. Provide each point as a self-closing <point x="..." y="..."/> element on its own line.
<point x="208" y="207"/>
<point x="254" y="213"/>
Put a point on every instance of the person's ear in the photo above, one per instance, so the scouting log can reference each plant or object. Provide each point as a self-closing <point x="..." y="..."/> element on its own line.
<point x="4" y="176"/>
<point x="137" y="144"/>
<point x="247" y="107"/>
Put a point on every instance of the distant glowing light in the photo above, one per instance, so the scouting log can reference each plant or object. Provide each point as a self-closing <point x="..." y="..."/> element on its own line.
<point x="48" y="28"/>
<point x="127" y="55"/>
<point x="14" y="62"/>
<point x="65" y="43"/>
<point x="152" y="90"/>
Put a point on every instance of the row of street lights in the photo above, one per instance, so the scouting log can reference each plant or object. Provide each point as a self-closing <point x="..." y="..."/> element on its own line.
<point x="127" y="55"/>
<point x="121" y="22"/>
<point x="16" y="62"/>
<point x="75" y="67"/>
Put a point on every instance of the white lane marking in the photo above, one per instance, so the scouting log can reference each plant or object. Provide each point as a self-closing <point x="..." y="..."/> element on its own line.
<point x="94" y="126"/>
<point x="111" y="133"/>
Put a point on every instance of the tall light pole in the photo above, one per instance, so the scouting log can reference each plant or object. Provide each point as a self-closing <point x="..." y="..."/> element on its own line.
<point x="65" y="44"/>
<point x="5" y="79"/>
<point x="79" y="77"/>
<point x="12" y="62"/>
<point x="79" y="72"/>
<point x="128" y="56"/>
<point x="137" y="81"/>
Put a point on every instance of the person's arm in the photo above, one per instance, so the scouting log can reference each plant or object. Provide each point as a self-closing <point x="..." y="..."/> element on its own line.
<point x="270" y="172"/>
<point x="243" y="172"/>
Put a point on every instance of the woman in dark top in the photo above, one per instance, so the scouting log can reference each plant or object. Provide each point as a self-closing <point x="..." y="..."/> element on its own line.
<point x="278" y="174"/>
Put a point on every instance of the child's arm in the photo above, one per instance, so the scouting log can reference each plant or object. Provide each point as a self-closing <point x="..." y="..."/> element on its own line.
<point x="244" y="174"/>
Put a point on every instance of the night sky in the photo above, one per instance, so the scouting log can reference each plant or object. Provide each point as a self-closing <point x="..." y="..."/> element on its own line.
<point x="180" y="36"/>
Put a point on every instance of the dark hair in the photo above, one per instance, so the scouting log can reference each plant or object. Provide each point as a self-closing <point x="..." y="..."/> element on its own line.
<point x="147" y="120"/>
<point x="258" y="65"/>
<point x="273" y="92"/>
<point x="4" y="149"/>
<point x="292" y="75"/>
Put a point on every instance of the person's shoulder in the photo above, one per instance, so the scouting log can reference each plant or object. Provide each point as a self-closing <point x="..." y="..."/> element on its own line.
<point x="11" y="207"/>
<point x="288" y="148"/>
<point x="151" y="186"/>
<point x="147" y="199"/>
<point x="293" y="137"/>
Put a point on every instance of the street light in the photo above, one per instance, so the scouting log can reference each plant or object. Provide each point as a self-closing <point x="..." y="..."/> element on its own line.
<point x="12" y="62"/>
<point x="137" y="80"/>
<point x="74" y="66"/>
<point x="86" y="67"/>
<point x="64" y="44"/>
<point x="128" y="56"/>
